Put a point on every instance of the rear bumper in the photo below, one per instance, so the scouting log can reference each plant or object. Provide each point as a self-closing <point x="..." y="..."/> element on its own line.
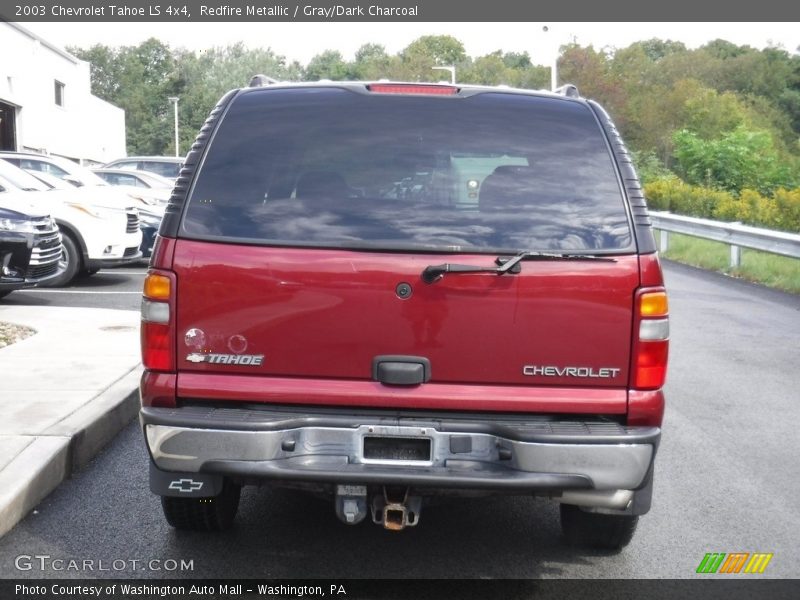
<point x="465" y="452"/>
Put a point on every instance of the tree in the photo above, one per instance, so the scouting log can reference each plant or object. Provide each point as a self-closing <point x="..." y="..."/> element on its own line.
<point x="137" y="79"/>
<point x="488" y="70"/>
<point x="328" y="65"/>
<point x="653" y="89"/>
<point x="591" y="71"/>
<point x="441" y="49"/>
<point x="742" y="158"/>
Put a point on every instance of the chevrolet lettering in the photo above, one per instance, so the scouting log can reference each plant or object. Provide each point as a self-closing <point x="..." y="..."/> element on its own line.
<point x="550" y="371"/>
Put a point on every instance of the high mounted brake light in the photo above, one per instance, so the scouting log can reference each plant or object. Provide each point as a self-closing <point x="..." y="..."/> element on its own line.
<point x="651" y="342"/>
<point x="157" y="335"/>
<point x="410" y="88"/>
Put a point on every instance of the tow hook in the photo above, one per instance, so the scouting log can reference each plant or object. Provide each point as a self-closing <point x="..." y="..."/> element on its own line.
<point x="396" y="510"/>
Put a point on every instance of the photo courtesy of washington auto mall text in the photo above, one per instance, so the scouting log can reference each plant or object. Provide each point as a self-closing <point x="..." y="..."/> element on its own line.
<point x="182" y="590"/>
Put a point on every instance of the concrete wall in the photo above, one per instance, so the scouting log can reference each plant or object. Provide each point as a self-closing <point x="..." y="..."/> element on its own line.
<point x="85" y="128"/>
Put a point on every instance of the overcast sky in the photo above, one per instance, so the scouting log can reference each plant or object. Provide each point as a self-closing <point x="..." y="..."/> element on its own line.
<point x="301" y="41"/>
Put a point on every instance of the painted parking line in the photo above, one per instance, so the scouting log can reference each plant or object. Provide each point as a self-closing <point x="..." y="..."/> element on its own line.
<point x="115" y="272"/>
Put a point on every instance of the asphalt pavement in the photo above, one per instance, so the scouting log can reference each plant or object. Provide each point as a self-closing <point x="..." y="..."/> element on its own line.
<point x="118" y="289"/>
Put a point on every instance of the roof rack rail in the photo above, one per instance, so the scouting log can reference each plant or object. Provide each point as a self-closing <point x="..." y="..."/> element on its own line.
<point x="569" y="90"/>
<point x="261" y="81"/>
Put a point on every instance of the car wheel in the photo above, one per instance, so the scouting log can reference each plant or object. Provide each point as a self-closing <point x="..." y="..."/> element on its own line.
<point x="596" y="530"/>
<point x="203" y="514"/>
<point x="71" y="261"/>
<point x="5" y="293"/>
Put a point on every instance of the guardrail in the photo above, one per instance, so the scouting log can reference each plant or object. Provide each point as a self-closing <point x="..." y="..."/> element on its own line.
<point x="738" y="236"/>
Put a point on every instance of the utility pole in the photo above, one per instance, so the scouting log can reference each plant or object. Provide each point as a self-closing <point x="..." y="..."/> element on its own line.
<point x="174" y="100"/>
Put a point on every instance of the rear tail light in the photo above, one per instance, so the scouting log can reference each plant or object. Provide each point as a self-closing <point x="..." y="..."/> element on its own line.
<point x="412" y="88"/>
<point x="651" y="344"/>
<point x="158" y="335"/>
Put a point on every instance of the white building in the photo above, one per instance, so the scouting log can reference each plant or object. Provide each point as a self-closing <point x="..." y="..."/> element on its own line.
<point x="46" y="104"/>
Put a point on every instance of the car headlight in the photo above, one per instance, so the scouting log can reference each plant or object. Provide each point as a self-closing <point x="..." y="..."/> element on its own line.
<point x="17" y="225"/>
<point x="144" y="200"/>
<point x="90" y="210"/>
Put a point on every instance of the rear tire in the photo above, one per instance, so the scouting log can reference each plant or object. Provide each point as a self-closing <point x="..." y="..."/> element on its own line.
<point x="71" y="260"/>
<point x="5" y="293"/>
<point x="596" y="530"/>
<point x="203" y="514"/>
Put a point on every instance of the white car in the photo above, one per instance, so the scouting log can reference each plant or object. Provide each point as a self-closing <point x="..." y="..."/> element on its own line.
<point x="151" y="206"/>
<point x="94" y="235"/>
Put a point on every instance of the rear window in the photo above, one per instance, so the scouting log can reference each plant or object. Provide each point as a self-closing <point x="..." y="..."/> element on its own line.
<point x="328" y="167"/>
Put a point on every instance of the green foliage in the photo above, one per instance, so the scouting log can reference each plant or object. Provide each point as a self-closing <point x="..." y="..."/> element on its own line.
<point x="649" y="167"/>
<point x="656" y="49"/>
<point x="328" y="65"/>
<point x="739" y="159"/>
<point x="722" y="115"/>
<point x="592" y="72"/>
<point x="137" y="79"/>
<point x="372" y="63"/>
<point x="437" y="49"/>
<point x="681" y="198"/>
<point x="762" y="267"/>
<point x="779" y="211"/>
<point x="140" y="79"/>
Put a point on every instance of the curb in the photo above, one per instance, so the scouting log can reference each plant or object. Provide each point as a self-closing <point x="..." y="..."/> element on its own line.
<point x="61" y="450"/>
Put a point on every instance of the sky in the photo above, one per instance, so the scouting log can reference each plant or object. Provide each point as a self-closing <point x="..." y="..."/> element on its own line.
<point x="302" y="41"/>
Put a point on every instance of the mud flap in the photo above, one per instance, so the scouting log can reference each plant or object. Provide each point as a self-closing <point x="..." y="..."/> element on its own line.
<point x="184" y="485"/>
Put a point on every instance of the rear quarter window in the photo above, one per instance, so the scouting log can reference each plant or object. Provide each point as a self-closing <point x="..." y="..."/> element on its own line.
<point x="334" y="168"/>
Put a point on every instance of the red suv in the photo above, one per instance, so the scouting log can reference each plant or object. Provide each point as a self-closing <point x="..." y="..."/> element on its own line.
<point x="385" y="292"/>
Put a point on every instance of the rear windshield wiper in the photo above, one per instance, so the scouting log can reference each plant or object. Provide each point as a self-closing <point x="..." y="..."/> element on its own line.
<point x="505" y="264"/>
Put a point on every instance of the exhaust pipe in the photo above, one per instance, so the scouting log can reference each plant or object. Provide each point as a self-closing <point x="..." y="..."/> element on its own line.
<point x="394" y="512"/>
<point x="599" y="499"/>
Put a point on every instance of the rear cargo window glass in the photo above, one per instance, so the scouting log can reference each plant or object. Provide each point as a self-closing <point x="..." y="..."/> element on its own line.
<point x="334" y="168"/>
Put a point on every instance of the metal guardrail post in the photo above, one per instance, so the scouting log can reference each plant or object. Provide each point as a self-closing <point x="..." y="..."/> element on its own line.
<point x="664" y="245"/>
<point x="736" y="256"/>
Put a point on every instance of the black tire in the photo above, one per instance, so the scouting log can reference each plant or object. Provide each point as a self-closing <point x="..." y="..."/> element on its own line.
<point x="203" y="514"/>
<point x="71" y="260"/>
<point x="4" y="293"/>
<point x="596" y="530"/>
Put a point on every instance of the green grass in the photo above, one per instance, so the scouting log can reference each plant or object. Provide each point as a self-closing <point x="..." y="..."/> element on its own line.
<point x="761" y="267"/>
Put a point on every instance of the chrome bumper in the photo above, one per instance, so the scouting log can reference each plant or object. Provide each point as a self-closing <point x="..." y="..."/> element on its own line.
<point x="464" y="452"/>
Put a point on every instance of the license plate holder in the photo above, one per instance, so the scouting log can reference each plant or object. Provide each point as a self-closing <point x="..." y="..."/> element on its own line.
<point x="397" y="449"/>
